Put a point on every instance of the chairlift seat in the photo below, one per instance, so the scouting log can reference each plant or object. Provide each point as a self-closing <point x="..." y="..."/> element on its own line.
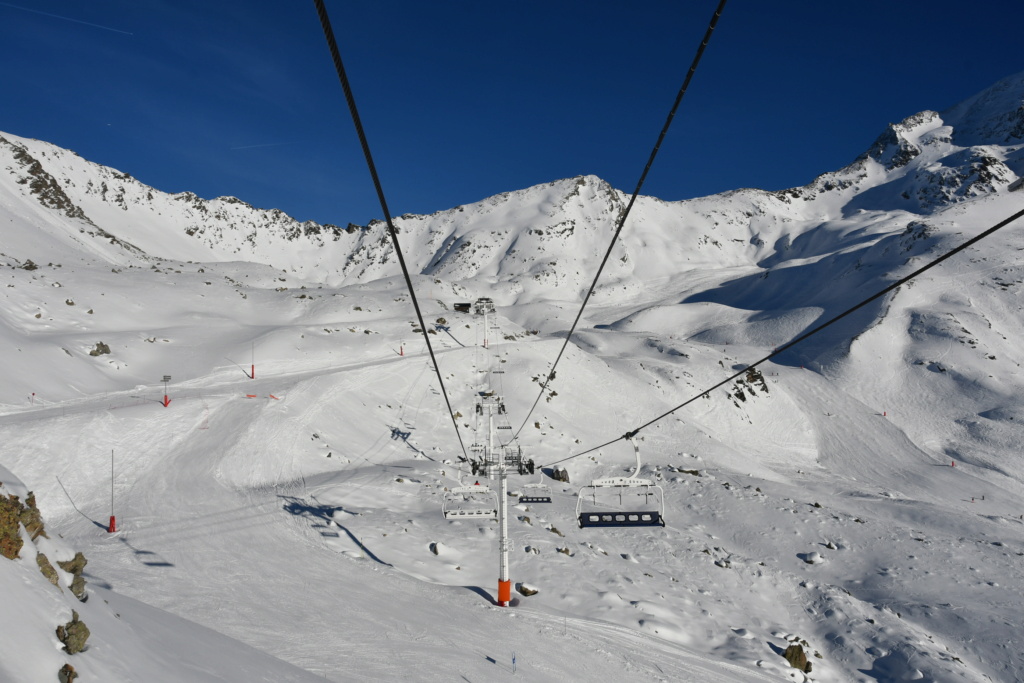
<point x="604" y="516"/>
<point x="611" y="519"/>
<point x="535" y="498"/>
<point x="470" y="502"/>
<point x="535" y="493"/>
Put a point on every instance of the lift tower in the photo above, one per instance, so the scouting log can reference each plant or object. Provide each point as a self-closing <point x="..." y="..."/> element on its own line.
<point x="485" y="307"/>
<point x="496" y="467"/>
<point x="497" y="458"/>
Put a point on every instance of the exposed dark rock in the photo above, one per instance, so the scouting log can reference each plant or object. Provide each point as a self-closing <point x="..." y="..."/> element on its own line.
<point x="797" y="658"/>
<point x="10" y="525"/>
<point x="47" y="569"/>
<point x="42" y="185"/>
<point x="100" y="349"/>
<point x="32" y="519"/>
<point x="67" y="674"/>
<point x="73" y="634"/>
<point x="75" y="567"/>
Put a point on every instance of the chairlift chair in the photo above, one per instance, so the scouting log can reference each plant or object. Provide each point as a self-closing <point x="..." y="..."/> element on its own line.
<point x="621" y="501"/>
<point x="535" y="493"/>
<point x="470" y="502"/>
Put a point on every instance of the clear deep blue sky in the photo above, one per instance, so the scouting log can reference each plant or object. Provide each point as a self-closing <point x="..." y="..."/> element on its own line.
<point x="462" y="100"/>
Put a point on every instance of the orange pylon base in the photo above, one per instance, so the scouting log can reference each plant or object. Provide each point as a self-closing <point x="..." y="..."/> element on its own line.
<point x="504" y="593"/>
<point x="113" y="525"/>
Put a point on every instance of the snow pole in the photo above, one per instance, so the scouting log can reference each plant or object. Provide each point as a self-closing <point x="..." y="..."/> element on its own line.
<point x="112" y="527"/>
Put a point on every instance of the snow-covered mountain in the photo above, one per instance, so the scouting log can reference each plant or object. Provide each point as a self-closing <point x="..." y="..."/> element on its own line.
<point x="297" y="510"/>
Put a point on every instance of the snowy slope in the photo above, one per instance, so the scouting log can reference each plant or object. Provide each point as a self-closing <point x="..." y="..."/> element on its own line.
<point x="128" y="640"/>
<point x="296" y="511"/>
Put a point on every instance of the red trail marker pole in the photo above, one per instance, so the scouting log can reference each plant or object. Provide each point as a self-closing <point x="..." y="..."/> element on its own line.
<point x="112" y="527"/>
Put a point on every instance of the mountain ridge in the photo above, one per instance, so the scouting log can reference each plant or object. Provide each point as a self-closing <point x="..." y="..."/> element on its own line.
<point x="914" y="166"/>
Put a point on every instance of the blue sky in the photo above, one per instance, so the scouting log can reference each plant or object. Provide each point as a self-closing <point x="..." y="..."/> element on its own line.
<point x="462" y="100"/>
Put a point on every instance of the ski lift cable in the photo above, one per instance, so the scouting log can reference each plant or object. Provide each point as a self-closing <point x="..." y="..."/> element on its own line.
<point x="629" y="206"/>
<point x="899" y="283"/>
<point x="504" y="413"/>
<point x="332" y="44"/>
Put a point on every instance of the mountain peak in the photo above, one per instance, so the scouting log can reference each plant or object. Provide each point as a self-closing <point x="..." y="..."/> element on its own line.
<point x="993" y="116"/>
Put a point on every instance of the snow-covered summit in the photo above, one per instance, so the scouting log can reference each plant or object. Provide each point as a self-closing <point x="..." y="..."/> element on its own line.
<point x="995" y="116"/>
<point x="919" y="165"/>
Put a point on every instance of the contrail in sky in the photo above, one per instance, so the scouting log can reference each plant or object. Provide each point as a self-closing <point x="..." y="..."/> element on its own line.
<point x="57" y="16"/>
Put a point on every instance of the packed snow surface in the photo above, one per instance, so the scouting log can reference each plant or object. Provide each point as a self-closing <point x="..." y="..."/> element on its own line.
<point x="278" y="499"/>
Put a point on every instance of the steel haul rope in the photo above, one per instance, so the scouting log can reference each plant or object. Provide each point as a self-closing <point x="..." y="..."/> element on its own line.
<point x="332" y="44"/>
<point x="819" y="328"/>
<point x="629" y="206"/>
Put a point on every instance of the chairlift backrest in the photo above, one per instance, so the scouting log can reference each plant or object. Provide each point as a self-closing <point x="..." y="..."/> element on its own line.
<point x="474" y="502"/>
<point x="611" y="514"/>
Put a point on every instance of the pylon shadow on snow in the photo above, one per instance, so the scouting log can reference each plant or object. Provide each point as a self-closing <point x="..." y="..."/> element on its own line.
<point x="489" y="596"/>
<point x="397" y="434"/>
<point x="156" y="560"/>
<point x="215" y="522"/>
<point x="482" y="593"/>
<point x="92" y="579"/>
<point x="325" y="513"/>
